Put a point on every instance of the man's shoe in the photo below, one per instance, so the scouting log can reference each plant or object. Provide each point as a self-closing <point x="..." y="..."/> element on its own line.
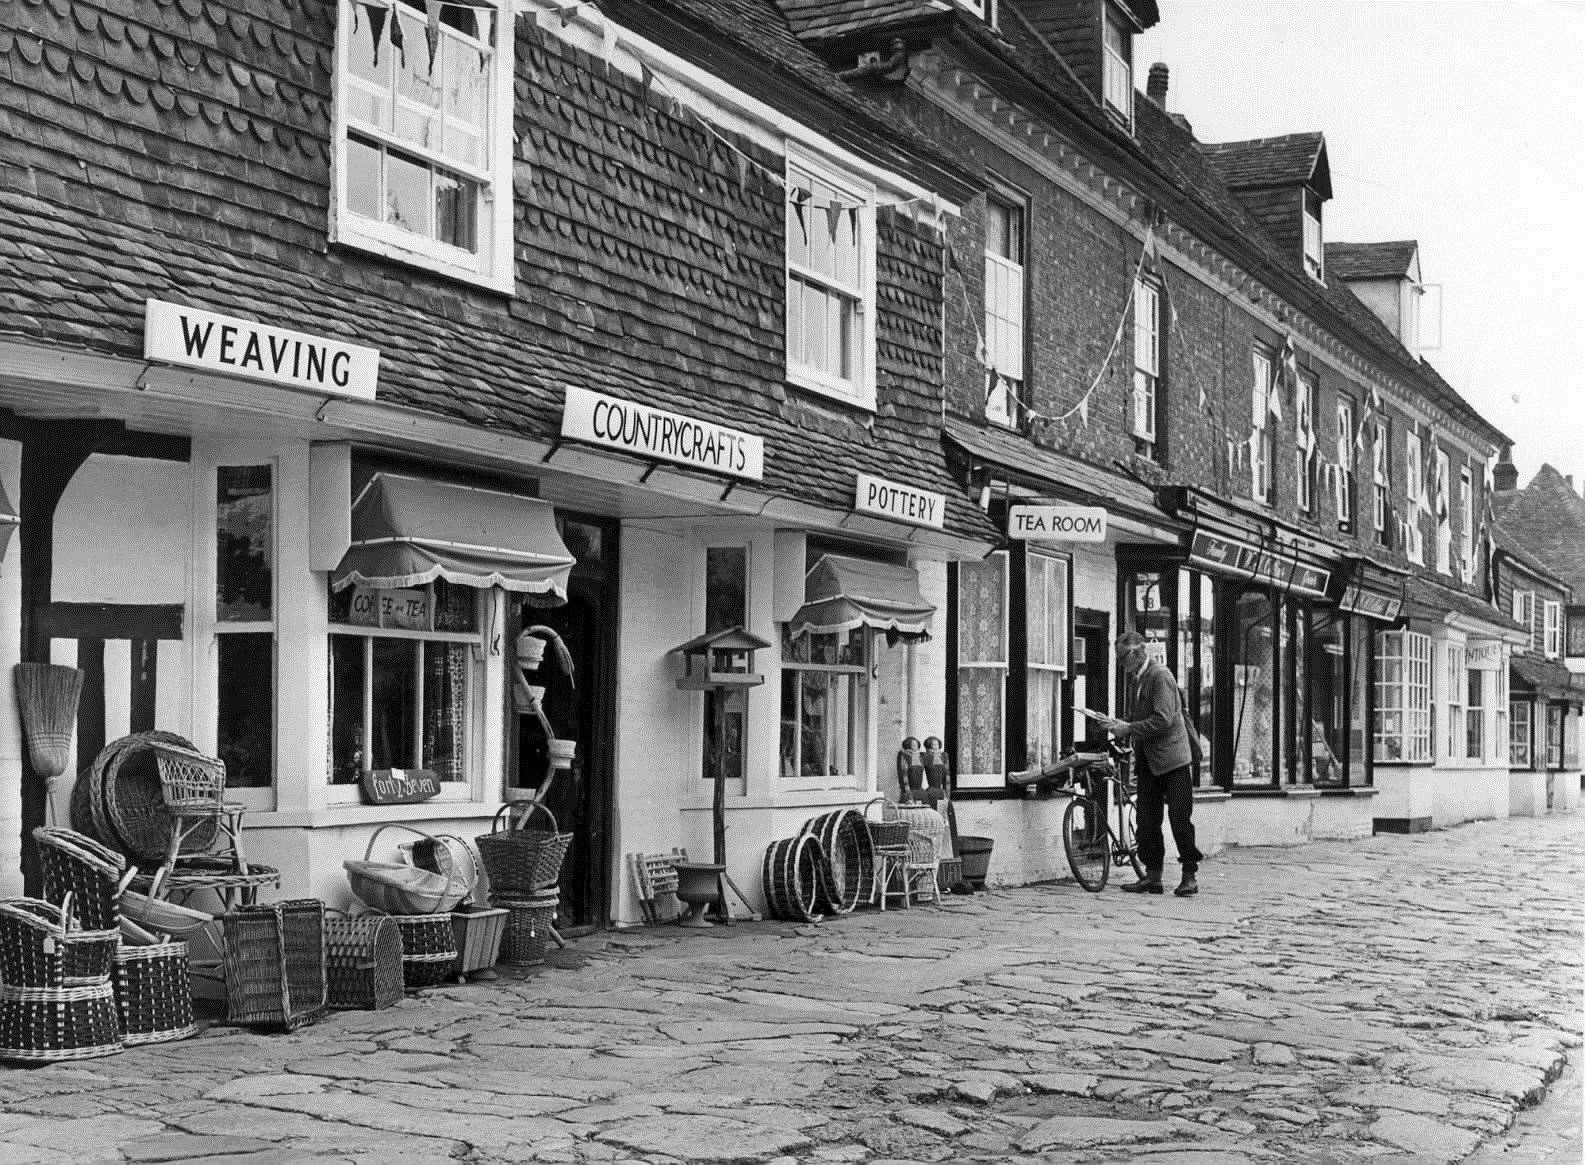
<point x="1186" y="887"/>
<point x="1149" y="884"/>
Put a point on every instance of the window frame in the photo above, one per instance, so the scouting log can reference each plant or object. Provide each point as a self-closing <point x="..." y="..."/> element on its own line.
<point x="858" y="716"/>
<point x="1306" y="389"/>
<point x="1314" y="240"/>
<point x="1381" y="482"/>
<point x="859" y="390"/>
<point x="1466" y="520"/>
<point x="1000" y="328"/>
<point x="1442" y="512"/>
<point x="1523" y="610"/>
<point x="1521" y="734"/>
<point x="1345" y="463"/>
<point x="1262" y="451"/>
<point x="1117" y="67"/>
<point x="1145" y="397"/>
<point x="1555" y="715"/>
<point x="1414" y="460"/>
<point x="1457" y="689"/>
<point x="1475" y="715"/>
<point x="254" y="797"/>
<point x="1413" y="689"/>
<point x="492" y="267"/>
<point x="1552" y="629"/>
<point x="1058" y="632"/>
<point x="965" y="778"/>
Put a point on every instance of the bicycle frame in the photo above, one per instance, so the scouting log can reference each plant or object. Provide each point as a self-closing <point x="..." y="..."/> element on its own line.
<point x="1098" y="825"/>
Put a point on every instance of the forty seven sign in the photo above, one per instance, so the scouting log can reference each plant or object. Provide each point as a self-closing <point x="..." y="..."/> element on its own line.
<point x="639" y="429"/>
<point x="1057" y="523"/>
<point x="216" y="343"/>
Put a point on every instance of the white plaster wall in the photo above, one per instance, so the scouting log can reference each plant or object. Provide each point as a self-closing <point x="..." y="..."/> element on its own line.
<point x="1404" y="791"/>
<point x="1027" y="836"/>
<point x="1526" y="794"/>
<point x="1460" y="795"/>
<point x="1288" y="821"/>
<point x="123" y="533"/>
<point x="1565" y="788"/>
<point x="11" y="745"/>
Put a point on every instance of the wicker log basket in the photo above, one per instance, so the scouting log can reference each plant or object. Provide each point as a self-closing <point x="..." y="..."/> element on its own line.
<point x="275" y="963"/>
<point x="118" y="799"/>
<point x="154" y="993"/>
<point x="363" y="961"/>
<point x="429" y="949"/>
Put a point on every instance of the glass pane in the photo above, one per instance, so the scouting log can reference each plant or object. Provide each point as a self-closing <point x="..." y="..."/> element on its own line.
<point x="363" y="179"/>
<point x="982" y="624"/>
<point x="407" y="196"/>
<point x="1328" y="697"/>
<point x="245" y="691"/>
<point x="244" y="514"/>
<point x="346" y="708"/>
<point x="1254" y="693"/>
<point x="980" y="720"/>
<point x="1358" y="700"/>
<point x="726" y="587"/>
<point x="1042" y="735"/>
<point x="456" y="607"/>
<point x="456" y="211"/>
<point x="724" y="714"/>
<point x="395" y="684"/>
<point x="446" y="710"/>
<point x="467" y="83"/>
<point x="417" y="86"/>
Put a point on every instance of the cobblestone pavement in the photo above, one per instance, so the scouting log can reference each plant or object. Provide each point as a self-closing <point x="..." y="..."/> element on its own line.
<point x="1397" y="999"/>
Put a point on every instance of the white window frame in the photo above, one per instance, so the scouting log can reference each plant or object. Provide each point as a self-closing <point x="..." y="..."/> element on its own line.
<point x="1555" y="715"/>
<point x="1144" y="400"/>
<point x="1117" y="71"/>
<point x="1305" y="392"/>
<point x="1006" y="297"/>
<point x="1524" y="614"/>
<point x="1499" y="712"/>
<point x="984" y="9"/>
<point x="1552" y="629"/>
<point x="1345" y="463"/>
<point x="853" y="721"/>
<point x="1414" y="455"/>
<point x="1043" y="724"/>
<point x="1314" y="244"/>
<point x="859" y="389"/>
<point x="1381" y="481"/>
<point x="999" y="669"/>
<point x="1457" y="681"/>
<point x="1262" y="451"/>
<point x="1406" y="695"/>
<point x="492" y="266"/>
<point x="1521" y="738"/>
<point x="1466" y="520"/>
<point x="484" y="603"/>
<point x="1475" y="715"/>
<point x="1442" y="513"/>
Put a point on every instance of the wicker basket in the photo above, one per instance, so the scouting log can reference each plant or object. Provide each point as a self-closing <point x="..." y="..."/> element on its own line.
<point x="161" y="917"/>
<point x="93" y="874"/>
<point x="477" y="931"/>
<point x="45" y="1024"/>
<point x="429" y="949"/>
<point x="363" y="961"/>
<point x="127" y="803"/>
<point x="949" y="873"/>
<point x="849" y="876"/>
<point x="40" y="947"/>
<point x="275" y="963"/>
<point x="154" y="993"/>
<point x="398" y="888"/>
<point x="792" y="874"/>
<point x="528" y="927"/>
<point x="520" y="860"/>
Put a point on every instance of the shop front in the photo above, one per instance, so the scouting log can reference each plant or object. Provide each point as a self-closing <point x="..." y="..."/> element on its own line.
<point x="1544" y="718"/>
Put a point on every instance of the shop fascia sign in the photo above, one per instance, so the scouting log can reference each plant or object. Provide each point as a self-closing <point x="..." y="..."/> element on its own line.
<point x="1483" y="655"/>
<point x="193" y="338"/>
<point x="1057" y="523"/>
<point x="647" y="432"/>
<point x="1282" y="570"/>
<point x="1360" y="600"/>
<point x="899" y="503"/>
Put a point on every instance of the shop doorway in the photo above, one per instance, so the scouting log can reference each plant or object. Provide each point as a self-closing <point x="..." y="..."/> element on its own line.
<point x="580" y="708"/>
<point x="1087" y="677"/>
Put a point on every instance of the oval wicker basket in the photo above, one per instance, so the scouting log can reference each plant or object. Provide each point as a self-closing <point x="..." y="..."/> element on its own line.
<point x="126" y="803"/>
<point x="161" y="917"/>
<point x="398" y="888"/>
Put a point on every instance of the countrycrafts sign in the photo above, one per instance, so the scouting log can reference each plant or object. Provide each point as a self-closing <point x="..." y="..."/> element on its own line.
<point x="205" y="340"/>
<point x="646" y="432"/>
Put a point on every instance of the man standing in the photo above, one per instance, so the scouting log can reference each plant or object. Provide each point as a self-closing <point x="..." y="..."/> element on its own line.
<point x="1162" y="756"/>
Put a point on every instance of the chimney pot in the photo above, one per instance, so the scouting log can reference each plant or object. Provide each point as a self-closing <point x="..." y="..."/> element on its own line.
<point x="1156" y="84"/>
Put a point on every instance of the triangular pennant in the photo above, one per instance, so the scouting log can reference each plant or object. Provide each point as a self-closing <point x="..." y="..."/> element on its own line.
<point x="432" y="35"/>
<point x="566" y="13"/>
<point x="853" y="224"/>
<point x="833" y="219"/>
<point x="1274" y="401"/>
<point x="398" y="39"/>
<point x="1148" y="255"/>
<point x="992" y="381"/>
<point x="377" y="15"/>
<point x="799" y="197"/>
<point x="1204" y="400"/>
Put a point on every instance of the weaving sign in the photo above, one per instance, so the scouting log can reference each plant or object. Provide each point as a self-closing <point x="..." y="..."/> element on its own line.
<point x="398" y="786"/>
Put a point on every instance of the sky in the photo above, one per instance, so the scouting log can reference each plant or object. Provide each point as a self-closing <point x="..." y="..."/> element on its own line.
<point x="1458" y="123"/>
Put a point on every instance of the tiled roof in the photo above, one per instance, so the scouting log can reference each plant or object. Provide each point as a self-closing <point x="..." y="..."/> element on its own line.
<point x="1545" y="677"/>
<point x="825" y="20"/>
<point x="1294" y="159"/>
<point x="1431" y="599"/>
<point x="1548" y="519"/>
<point x="1516" y="550"/>
<point x="1393" y="260"/>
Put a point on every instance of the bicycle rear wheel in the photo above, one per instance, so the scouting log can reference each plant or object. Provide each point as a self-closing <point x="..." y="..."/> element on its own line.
<point x="1087" y="843"/>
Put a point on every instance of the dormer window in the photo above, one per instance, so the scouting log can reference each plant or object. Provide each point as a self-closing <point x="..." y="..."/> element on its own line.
<point x="1117" y="70"/>
<point x="984" y="9"/>
<point x="1314" y="247"/>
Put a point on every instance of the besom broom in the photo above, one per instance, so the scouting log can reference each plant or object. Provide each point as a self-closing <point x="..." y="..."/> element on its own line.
<point x="47" y="695"/>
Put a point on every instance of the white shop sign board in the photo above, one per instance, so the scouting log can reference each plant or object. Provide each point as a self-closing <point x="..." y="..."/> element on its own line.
<point x="899" y="503"/>
<point x="193" y="338"/>
<point x="1057" y="523"/>
<point x="649" y="432"/>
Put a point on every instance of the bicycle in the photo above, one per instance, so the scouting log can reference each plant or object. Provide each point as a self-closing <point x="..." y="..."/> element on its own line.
<point x="1101" y="793"/>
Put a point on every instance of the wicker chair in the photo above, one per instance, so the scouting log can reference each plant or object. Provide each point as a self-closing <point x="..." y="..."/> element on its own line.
<point x="927" y="832"/>
<point x="890" y="835"/>
<point x="194" y="787"/>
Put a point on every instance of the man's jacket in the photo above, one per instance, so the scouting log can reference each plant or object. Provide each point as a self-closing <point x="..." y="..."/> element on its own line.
<point x="1155" y="719"/>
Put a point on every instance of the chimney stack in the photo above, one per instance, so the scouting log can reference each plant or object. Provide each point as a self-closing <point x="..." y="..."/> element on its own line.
<point x="1156" y="84"/>
<point x="1505" y="476"/>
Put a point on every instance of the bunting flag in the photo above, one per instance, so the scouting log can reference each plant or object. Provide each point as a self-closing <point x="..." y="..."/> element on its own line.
<point x="833" y="219"/>
<point x="992" y="382"/>
<point x="1148" y="257"/>
<point x="1288" y="362"/>
<point x="798" y="198"/>
<point x="1274" y="400"/>
<point x="432" y="34"/>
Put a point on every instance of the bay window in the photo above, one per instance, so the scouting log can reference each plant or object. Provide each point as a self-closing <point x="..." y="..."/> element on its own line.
<point x="405" y="677"/>
<point x="1402" y="730"/>
<point x="1475" y="716"/>
<point x="423" y="157"/>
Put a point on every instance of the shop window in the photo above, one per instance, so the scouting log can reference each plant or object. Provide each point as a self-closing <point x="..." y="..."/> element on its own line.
<point x="1456" y="687"/>
<point x="1197" y="661"/>
<point x="1552" y="629"/>
<point x="1403" y="697"/>
<point x="405" y="672"/>
<point x="1145" y="407"/>
<point x="982" y="663"/>
<point x="822" y="709"/>
<point x="1475" y="716"/>
<point x="1554" y="736"/>
<point x="1444" y="515"/>
<point x="1263" y="434"/>
<point x="725" y="713"/>
<point x="1499" y="706"/>
<point x="830" y="284"/>
<point x="1327" y="675"/>
<point x="423" y="165"/>
<point x="1005" y="277"/>
<point x="1304" y="439"/>
<point x="1343" y="480"/>
<point x="245" y="623"/>
<point x="1519" y="730"/>
<point x="1046" y="654"/>
<point x="1253" y="657"/>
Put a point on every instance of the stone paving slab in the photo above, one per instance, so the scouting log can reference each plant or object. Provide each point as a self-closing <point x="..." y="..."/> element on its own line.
<point x="1391" y="999"/>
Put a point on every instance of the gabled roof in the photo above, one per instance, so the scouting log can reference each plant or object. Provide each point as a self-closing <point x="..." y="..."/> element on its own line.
<point x="1548" y="519"/>
<point x="1296" y="159"/>
<point x="1527" y="561"/>
<point x="1395" y="260"/>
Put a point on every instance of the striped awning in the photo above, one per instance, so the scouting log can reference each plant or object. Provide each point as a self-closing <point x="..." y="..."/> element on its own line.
<point x="841" y="594"/>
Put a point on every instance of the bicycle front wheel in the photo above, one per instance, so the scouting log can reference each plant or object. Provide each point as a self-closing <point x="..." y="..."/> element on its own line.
<point x="1087" y="843"/>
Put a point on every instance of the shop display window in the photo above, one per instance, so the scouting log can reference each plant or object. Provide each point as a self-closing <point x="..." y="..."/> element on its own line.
<point x="404" y="673"/>
<point x="1554" y="736"/>
<point x="1456" y="689"/>
<point x="245" y="623"/>
<point x="1403" y="697"/>
<point x="1252" y="650"/>
<point x="1475" y="716"/>
<point x="1519" y="712"/>
<point x="822" y="710"/>
<point x="1328" y="713"/>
